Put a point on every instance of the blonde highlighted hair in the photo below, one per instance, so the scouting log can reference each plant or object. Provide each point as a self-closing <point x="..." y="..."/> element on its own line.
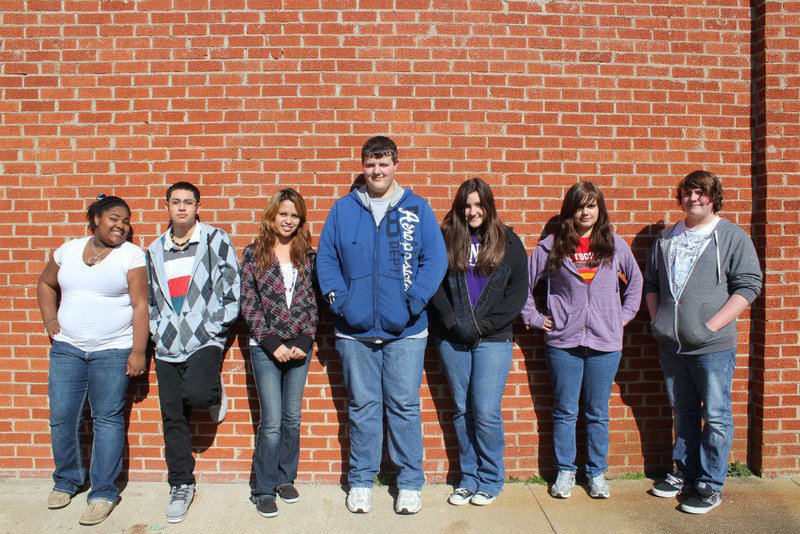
<point x="268" y="234"/>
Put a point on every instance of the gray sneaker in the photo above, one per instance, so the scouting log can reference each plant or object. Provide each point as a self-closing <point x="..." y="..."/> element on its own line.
<point x="180" y="498"/>
<point x="563" y="485"/>
<point x="598" y="487"/>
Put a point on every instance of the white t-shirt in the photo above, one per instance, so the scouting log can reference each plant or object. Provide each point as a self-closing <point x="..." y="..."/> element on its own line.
<point x="95" y="311"/>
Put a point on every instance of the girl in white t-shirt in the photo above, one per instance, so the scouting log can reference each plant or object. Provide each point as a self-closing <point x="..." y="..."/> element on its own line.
<point x="99" y="331"/>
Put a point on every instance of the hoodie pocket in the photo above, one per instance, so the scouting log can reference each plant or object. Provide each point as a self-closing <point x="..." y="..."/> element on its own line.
<point x="692" y="327"/>
<point x="357" y="309"/>
<point x="392" y="304"/>
<point x="661" y="325"/>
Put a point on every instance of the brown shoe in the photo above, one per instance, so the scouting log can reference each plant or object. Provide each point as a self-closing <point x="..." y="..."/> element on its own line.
<point x="58" y="499"/>
<point x="96" y="512"/>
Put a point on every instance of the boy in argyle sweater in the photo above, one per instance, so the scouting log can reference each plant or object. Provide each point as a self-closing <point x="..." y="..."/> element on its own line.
<point x="194" y="298"/>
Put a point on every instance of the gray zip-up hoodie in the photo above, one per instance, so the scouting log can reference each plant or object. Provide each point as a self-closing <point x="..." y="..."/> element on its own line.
<point x="728" y="266"/>
<point x="585" y="315"/>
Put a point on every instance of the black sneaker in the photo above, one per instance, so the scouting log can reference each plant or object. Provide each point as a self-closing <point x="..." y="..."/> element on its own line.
<point x="670" y="487"/>
<point x="267" y="507"/>
<point x="288" y="493"/>
<point x="704" y="500"/>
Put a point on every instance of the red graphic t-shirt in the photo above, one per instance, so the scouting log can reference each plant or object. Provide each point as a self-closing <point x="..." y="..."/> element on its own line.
<point x="583" y="255"/>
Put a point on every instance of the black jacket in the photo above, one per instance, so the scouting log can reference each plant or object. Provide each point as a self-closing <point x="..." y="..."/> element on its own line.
<point x="451" y="315"/>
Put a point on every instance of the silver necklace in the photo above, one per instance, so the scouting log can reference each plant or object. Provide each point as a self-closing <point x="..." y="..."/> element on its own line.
<point x="97" y="256"/>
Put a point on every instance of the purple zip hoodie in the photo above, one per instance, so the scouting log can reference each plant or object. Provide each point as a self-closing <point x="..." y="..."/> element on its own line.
<point x="588" y="315"/>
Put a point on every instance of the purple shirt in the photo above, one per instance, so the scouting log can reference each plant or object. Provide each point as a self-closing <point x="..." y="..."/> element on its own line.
<point x="475" y="282"/>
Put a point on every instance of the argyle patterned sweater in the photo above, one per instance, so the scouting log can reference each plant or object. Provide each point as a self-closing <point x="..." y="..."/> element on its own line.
<point x="271" y="322"/>
<point x="211" y="304"/>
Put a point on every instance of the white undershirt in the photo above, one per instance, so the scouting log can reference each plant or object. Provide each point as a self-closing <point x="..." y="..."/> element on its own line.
<point x="289" y="273"/>
<point x="95" y="311"/>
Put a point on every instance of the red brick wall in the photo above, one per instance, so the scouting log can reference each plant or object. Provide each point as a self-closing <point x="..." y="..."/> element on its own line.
<point x="776" y="164"/>
<point x="243" y="97"/>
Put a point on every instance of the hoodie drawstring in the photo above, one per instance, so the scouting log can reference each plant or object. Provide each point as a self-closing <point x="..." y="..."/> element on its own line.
<point x="716" y="246"/>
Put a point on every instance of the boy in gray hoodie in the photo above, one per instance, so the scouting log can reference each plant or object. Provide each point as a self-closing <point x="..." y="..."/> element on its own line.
<point x="702" y="274"/>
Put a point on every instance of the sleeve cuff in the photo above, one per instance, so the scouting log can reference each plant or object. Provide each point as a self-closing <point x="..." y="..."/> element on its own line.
<point x="302" y="342"/>
<point x="270" y="344"/>
<point x="748" y="294"/>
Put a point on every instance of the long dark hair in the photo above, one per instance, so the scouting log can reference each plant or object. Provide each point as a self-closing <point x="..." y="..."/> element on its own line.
<point x="601" y="242"/>
<point x="267" y="235"/>
<point x="492" y="232"/>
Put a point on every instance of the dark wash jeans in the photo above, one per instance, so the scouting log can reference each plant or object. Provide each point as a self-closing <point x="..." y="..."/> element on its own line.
<point x="193" y="383"/>
<point x="280" y="392"/>
<point x="99" y="377"/>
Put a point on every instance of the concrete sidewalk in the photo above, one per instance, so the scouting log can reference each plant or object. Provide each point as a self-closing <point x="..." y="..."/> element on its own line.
<point x="751" y="505"/>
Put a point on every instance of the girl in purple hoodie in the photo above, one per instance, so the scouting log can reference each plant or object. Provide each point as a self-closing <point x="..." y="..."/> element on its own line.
<point x="581" y="264"/>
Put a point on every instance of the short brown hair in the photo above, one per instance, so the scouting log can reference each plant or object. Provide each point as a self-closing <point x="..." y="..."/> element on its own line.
<point x="379" y="147"/>
<point x="706" y="181"/>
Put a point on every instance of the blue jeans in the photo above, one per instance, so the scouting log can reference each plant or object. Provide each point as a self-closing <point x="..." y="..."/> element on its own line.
<point x="280" y="391"/>
<point x="76" y="376"/>
<point x="382" y="376"/>
<point x="477" y="378"/>
<point x="699" y="390"/>
<point x="591" y="372"/>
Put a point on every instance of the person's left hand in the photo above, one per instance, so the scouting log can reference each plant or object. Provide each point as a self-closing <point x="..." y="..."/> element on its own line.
<point x="297" y="353"/>
<point x="137" y="363"/>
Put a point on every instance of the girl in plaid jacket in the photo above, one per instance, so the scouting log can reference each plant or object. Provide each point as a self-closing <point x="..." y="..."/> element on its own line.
<point x="279" y="303"/>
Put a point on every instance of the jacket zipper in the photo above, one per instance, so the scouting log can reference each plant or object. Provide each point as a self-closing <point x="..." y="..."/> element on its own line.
<point x="588" y="301"/>
<point x="588" y="305"/>
<point x="675" y="306"/>
<point x="472" y="312"/>
<point x="678" y="298"/>
<point x="375" y="273"/>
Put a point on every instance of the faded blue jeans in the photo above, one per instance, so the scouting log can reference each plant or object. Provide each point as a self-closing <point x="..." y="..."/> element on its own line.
<point x="280" y="392"/>
<point x="384" y="376"/>
<point x="591" y="372"/>
<point x="99" y="377"/>
<point x="699" y="391"/>
<point x="477" y="378"/>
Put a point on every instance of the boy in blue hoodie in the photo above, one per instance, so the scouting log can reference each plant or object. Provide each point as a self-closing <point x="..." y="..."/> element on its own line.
<point x="381" y="257"/>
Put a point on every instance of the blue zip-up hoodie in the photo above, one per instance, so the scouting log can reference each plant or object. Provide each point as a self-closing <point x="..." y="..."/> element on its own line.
<point x="378" y="280"/>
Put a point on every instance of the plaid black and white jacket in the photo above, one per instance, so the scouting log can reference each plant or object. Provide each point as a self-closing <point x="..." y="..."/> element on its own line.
<point x="270" y="320"/>
<point x="212" y="301"/>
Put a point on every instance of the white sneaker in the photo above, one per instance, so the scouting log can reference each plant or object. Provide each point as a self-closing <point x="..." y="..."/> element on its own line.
<point x="219" y="411"/>
<point x="359" y="500"/>
<point x="408" y="502"/>
<point x="598" y="487"/>
<point x="563" y="485"/>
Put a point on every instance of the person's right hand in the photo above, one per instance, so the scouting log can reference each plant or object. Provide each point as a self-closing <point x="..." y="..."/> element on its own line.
<point x="52" y="328"/>
<point x="297" y="353"/>
<point x="548" y="324"/>
<point x="282" y="354"/>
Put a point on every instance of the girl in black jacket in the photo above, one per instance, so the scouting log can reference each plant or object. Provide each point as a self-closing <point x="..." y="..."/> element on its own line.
<point x="472" y="312"/>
